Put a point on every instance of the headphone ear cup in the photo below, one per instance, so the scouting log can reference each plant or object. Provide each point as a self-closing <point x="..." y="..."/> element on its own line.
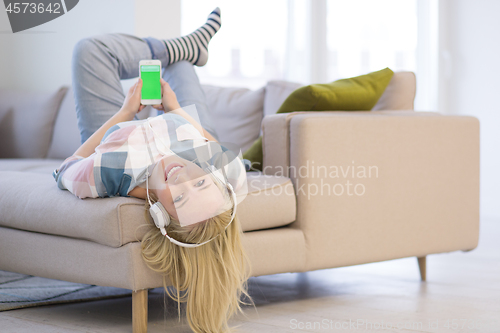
<point x="155" y="213"/>
<point x="159" y="215"/>
<point x="164" y="213"/>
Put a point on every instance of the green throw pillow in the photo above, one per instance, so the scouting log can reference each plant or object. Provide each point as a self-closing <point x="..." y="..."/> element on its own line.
<point x="353" y="94"/>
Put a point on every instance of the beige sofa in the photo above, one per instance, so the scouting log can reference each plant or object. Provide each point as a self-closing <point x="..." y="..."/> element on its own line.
<point x="338" y="189"/>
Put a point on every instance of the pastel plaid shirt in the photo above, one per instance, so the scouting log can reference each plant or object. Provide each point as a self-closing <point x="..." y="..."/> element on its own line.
<point x="129" y="149"/>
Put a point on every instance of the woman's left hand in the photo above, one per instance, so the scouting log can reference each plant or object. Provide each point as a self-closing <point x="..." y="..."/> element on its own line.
<point x="132" y="103"/>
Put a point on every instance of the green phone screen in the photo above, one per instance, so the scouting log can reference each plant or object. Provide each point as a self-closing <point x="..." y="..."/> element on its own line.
<point x="151" y="87"/>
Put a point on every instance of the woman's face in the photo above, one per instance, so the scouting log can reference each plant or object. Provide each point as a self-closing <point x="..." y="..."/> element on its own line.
<point x="186" y="191"/>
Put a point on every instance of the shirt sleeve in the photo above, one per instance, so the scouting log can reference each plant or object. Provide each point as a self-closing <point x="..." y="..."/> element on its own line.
<point x="76" y="174"/>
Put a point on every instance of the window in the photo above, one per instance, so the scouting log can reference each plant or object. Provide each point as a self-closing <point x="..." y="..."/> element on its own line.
<point x="366" y="35"/>
<point x="250" y="48"/>
<point x="318" y="41"/>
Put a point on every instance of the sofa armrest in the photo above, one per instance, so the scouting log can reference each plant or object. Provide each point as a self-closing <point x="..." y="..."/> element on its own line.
<point x="382" y="185"/>
<point x="276" y="137"/>
<point x="276" y="143"/>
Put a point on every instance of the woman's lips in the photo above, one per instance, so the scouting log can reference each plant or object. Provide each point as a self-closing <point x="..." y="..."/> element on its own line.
<point x="170" y="167"/>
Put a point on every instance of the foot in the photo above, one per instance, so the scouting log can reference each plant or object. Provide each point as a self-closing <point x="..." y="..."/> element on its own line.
<point x="194" y="47"/>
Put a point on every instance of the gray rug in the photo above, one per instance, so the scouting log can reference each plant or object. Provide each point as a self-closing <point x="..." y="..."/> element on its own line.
<point x="23" y="291"/>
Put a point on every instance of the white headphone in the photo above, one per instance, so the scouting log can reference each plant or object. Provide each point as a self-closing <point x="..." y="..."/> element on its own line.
<point x="162" y="219"/>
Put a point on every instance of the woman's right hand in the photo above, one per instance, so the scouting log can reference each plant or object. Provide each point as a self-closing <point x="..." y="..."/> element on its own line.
<point x="169" y="99"/>
<point x="132" y="103"/>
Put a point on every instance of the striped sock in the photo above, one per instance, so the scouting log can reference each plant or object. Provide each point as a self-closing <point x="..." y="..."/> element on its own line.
<point x="194" y="47"/>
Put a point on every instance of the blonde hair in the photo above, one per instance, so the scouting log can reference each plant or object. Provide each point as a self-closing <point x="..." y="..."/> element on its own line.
<point x="212" y="276"/>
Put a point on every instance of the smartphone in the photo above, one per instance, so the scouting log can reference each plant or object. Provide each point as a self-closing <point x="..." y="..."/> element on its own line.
<point x="150" y="72"/>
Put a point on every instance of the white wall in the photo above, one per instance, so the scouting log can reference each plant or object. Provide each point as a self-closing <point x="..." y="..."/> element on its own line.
<point x="470" y="85"/>
<point x="158" y="18"/>
<point x="39" y="59"/>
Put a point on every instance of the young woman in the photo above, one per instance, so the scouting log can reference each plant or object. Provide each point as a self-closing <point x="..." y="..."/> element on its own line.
<point x="190" y="182"/>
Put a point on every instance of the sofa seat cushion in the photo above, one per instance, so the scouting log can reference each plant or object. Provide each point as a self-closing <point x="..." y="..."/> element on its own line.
<point x="270" y="202"/>
<point x="31" y="200"/>
<point x="37" y="165"/>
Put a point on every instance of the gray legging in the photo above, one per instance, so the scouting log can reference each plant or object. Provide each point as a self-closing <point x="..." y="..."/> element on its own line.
<point x="100" y="62"/>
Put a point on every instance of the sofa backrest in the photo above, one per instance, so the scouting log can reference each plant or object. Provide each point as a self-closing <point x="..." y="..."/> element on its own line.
<point x="41" y="125"/>
<point x="65" y="136"/>
<point x="236" y="114"/>
<point x="399" y="94"/>
<point x="26" y="122"/>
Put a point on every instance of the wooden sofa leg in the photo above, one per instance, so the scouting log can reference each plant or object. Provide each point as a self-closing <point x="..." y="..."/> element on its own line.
<point x="421" y="267"/>
<point x="140" y="311"/>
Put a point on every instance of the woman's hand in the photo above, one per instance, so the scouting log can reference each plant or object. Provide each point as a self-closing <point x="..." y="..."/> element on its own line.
<point x="132" y="103"/>
<point x="130" y="107"/>
<point x="168" y="99"/>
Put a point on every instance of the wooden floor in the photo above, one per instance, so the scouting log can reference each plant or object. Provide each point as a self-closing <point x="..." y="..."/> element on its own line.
<point x="462" y="294"/>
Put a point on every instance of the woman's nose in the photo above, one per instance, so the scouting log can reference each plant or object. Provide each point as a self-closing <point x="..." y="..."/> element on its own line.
<point x="182" y="177"/>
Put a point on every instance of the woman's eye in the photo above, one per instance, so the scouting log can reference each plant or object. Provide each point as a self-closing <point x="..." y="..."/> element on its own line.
<point x="179" y="198"/>
<point x="198" y="184"/>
